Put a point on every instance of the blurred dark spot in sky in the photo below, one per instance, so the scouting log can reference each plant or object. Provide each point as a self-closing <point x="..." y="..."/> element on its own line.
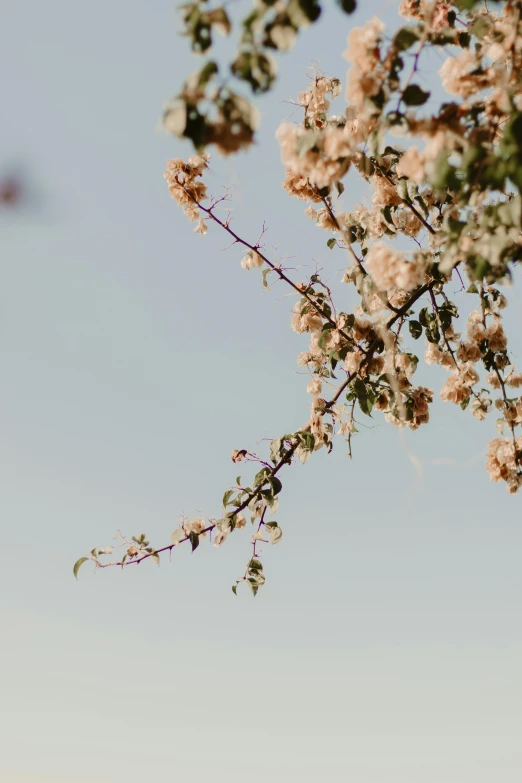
<point x="11" y="190"/>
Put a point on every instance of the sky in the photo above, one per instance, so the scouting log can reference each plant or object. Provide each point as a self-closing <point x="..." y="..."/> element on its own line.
<point x="386" y="644"/>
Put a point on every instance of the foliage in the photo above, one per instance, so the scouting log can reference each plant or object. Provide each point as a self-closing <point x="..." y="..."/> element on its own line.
<point x="452" y="194"/>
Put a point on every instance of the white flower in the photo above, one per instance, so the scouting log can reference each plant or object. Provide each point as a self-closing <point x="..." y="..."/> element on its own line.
<point x="411" y="165"/>
<point x="251" y="260"/>
<point x="314" y="387"/>
<point x="201" y="227"/>
<point x="220" y="536"/>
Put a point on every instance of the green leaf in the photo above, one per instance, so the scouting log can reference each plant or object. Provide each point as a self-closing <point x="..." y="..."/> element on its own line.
<point x="402" y="189"/>
<point x="423" y="316"/>
<point x="276" y="484"/>
<point x="465" y="5"/>
<point x="194" y="540"/>
<point x="156" y="558"/>
<point x="79" y="564"/>
<point x="261" y="477"/>
<point x="348" y="6"/>
<point x="226" y="497"/>
<point x="331" y="243"/>
<point x="391" y="151"/>
<point x="420" y="201"/>
<point x="310" y="9"/>
<point x="275" y="532"/>
<point x="207" y="72"/>
<point x="412" y="189"/>
<point x="433" y="334"/>
<point x="234" y="589"/>
<point x="282" y="36"/>
<point x="472" y="289"/>
<point x="177" y="536"/>
<point x="366" y="404"/>
<point x="406" y="37"/>
<point x="414" y="95"/>
<point x="415" y="329"/>
<point x="306" y="143"/>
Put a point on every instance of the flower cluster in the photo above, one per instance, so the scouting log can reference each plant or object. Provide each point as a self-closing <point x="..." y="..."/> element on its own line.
<point x="390" y="269"/>
<point x="185" y="185"/>
<point x="437" y="237"/>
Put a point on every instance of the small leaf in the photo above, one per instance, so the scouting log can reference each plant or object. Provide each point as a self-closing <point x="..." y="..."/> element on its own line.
<point x="155" y="557"/>
<point x="331" y="243"/>
<point x="207" y="72"/>
<point x="194" y="540"/>
<point x="481" y="27"/>
<point x="275" y="532"/>
<point x="177" y="536"/>
<point x="276" y="484"/>
<point x="175" y="118"/>
<point x="414" y="95"/>
<point x="423" y="316"/>
<point x="348" y="6"/>
<point x="234" y="589"/>
<point x="402" y="189"/>
<point x="420" y="201"/>
<point x="415" y="329"/>
<point x="307" y="142"/>
<point x="406" y="37"/>
<point x="79" y="564"/>
<point x="465" y="5"/>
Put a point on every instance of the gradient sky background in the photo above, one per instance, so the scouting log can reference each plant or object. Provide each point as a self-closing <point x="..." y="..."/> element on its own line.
<point x="386" y="645"/>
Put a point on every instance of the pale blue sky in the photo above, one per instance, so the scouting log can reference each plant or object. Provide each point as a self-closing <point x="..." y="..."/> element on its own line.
<point x="386" y="644"/>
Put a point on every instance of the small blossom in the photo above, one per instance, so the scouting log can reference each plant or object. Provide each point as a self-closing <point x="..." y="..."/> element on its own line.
<point x="314" y="387"/>
<point x="251" y="260"/>
<point x="307" y="321"/>
<point x="461" y="75"/>
<point x="411" y="165"/>
<point x="514" y="380"/>
<point x="220" y="536"/>
<point x="493" y="380"/>
<point x="184" y="183"/>
<point x="502" y="462"/>
<point x="457" y="388"/>
<point x="480" y="407"/>
<point x="201" y="227"/>
<point x="390" y="269"/>
<point x="304" y="358"/>
<point x="346" y="427"/>
<point x="495" y="335"/>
